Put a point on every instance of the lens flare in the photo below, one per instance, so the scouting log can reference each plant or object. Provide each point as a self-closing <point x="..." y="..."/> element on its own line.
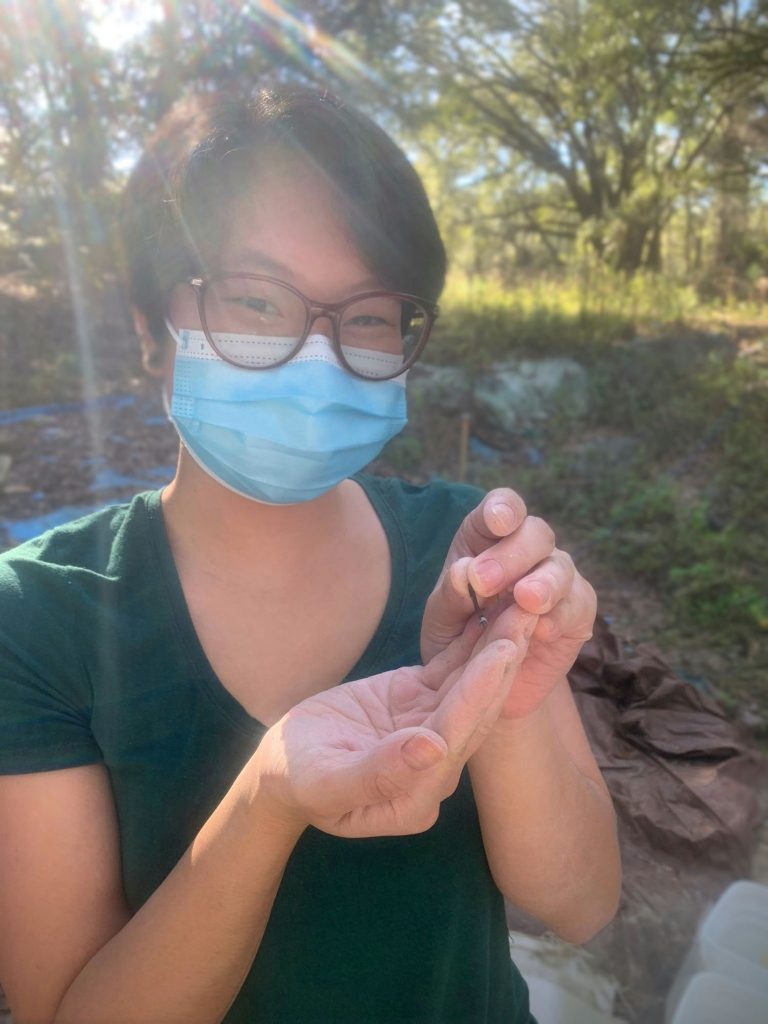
<point x="300" y="38"/>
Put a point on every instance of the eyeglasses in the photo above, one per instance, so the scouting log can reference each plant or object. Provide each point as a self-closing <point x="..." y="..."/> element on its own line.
<point x="259" y="322"/>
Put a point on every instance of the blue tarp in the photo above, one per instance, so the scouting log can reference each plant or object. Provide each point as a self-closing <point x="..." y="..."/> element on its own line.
<point x="33" y="412"/>
<point x="105" y="478"/>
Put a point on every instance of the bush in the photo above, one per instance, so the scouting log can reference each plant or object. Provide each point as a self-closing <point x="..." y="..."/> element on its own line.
<point x="686" y="510"/>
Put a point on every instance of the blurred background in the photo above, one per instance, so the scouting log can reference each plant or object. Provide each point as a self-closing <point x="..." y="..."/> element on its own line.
<point x="598" y="169"/>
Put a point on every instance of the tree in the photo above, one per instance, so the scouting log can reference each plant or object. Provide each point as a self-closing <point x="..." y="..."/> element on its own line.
<point x="588" y="95"/>
<point x="55" y="101"/>
<point x="540" y="124"/>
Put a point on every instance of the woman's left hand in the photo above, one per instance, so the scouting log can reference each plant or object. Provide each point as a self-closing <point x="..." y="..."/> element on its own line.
<point x="520" y="577"/>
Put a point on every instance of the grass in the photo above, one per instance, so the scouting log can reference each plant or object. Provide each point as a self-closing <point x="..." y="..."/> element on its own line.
<point x="579" y="315"/>
<point x="481" y="322"/>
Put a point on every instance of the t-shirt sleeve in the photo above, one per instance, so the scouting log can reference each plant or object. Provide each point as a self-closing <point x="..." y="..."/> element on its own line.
<point x="433" y="514"/>
<point x="465" y="498"/>
<point x="44" y="705"/>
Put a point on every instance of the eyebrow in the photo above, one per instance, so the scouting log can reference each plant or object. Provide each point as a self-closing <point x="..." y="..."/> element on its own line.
<point x="258" y="258"/>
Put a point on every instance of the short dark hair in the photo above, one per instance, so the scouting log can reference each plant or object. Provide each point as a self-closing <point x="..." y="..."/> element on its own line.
<point x="208" y="149"/>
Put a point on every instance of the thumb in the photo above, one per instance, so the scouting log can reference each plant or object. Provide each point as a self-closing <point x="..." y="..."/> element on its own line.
<point x="424" y="750"/>
<point x="395" y="765"/>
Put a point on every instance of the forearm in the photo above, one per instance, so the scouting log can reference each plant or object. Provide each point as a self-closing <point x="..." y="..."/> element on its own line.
<point x="184" y="955"/>
<point x="549" y="830"/>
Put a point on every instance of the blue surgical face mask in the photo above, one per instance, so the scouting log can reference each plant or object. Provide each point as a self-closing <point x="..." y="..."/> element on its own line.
<point x="287" y="434"/>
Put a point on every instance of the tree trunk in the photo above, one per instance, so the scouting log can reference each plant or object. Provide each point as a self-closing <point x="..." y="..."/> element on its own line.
<point x="640" y="246"/>
<point x="629" y="257"/>
<point x="689" y="260"/>
<point x="653" y="253"/>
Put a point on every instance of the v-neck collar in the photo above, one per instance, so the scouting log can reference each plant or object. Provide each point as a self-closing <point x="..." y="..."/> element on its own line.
<point x="200" y="666"/>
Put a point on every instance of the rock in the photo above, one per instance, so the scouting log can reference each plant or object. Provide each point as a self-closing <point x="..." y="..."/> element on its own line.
<point x="446" y="388"/>
<point x="753" y="717"/>
<point x="5" y="468"/>
<point x="519" y="392"/>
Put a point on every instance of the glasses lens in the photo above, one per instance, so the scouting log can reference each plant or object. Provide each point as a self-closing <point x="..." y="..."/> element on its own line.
<point x="379" y="334"/>
<point x="252" y="322"/>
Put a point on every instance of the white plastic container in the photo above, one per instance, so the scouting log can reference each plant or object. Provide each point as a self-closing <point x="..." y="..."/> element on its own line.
<point x="711" y="999"/>
<point x="731" y="941"/>
<point x="551" y="1004"/>
<point x="734" y="935"/>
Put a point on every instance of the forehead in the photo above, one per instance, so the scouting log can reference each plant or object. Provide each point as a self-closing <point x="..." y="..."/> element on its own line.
<point x="289" y="225"/>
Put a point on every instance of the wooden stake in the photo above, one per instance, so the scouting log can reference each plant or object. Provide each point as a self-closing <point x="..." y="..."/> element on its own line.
<point x="466" y="420"/>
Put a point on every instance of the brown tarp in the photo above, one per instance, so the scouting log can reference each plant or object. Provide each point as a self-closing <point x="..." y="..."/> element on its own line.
<point x="689" y="790"/>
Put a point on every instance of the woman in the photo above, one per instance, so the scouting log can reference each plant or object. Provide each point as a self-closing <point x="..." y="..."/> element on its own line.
<point x="201" y="822"/>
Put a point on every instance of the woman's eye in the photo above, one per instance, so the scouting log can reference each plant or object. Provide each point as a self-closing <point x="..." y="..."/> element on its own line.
<point x="256" y="304"/>
<point x="366" y="320"/>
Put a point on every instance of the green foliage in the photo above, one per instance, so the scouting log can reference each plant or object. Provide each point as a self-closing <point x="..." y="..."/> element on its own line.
<point x="582" y="315"/>
<point x="714" y="596"/>
<point x="405" y="454"/>
<point x="590" y="120"/>
<point x="655" y="535"/>
<point x="712" y="579"/>
<point x="37" y="361"/>
<point x="481" y="321"/>
<point x="683" y="506"/>
<point x="551" y="134"/>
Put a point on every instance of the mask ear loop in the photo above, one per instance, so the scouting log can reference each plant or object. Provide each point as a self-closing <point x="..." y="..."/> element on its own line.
<point x="163" y="388"/>
<point x="166" y="402"/>
<point x="173" y="333"/>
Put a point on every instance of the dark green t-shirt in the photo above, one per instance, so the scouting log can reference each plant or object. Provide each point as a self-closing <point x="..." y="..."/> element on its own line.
<point x="99" y="662"/>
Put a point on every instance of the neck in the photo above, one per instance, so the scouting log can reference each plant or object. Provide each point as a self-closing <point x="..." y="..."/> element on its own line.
<point x="227" y="534"/>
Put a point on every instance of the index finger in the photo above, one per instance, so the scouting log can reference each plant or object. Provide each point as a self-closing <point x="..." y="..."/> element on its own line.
<point x="471" y="705"/>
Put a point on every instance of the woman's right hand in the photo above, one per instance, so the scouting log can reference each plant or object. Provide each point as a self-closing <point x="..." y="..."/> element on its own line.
<point x="376" y="756"/>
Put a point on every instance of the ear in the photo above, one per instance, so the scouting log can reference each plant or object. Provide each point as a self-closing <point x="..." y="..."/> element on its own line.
<point x="152" y="353"/>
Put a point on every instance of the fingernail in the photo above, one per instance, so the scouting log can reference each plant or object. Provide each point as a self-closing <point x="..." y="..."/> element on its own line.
<point x="503" y="515"/>
<point x="541" y="590"/>
<point x="489" y="572"/>
<point x="420" y="752"/>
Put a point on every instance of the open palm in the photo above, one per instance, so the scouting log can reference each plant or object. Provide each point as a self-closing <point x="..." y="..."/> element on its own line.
<point x="376" y="756"/>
